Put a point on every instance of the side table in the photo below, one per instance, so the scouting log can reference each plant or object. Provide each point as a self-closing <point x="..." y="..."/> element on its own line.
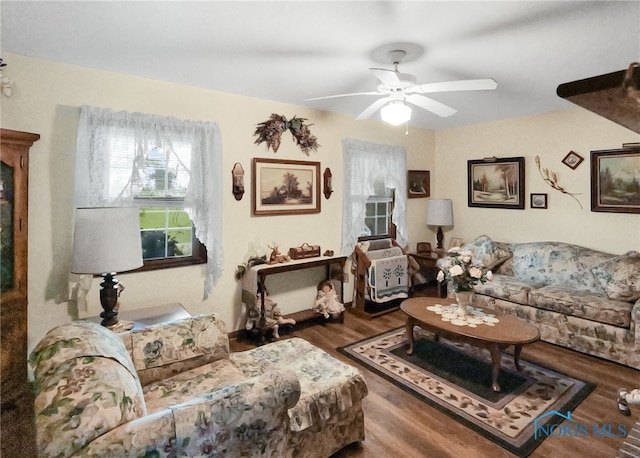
<point x="427" y="262"/>
<point x="148" y="316"/>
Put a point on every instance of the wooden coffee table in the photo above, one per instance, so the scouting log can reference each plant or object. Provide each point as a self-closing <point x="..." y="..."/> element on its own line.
<point x="508" y="331"/>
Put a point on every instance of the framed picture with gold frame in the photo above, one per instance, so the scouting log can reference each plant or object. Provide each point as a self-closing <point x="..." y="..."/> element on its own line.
<point x="283" y="187"/>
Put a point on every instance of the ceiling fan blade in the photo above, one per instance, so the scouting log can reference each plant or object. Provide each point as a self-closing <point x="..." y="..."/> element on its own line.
<point x="386" y="76"/>
<point x="431" y="105"/>
<point x="343" y="95"/>
<point x="375" y="106"/>
<point x="462" y="85"/>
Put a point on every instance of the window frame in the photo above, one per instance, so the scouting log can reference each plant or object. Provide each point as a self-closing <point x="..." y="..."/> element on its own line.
<point x="198" y="256"/>
<point x="391" y="227"/>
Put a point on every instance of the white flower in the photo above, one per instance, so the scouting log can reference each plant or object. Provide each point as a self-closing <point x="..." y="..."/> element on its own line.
<point x="440" y="276"/>
<point x="454" y="249"/>
<point x="475" y="272"/>
<point x="456" y="271"/>
<point x="466" y="258"/>
<point x="489" y="275"/>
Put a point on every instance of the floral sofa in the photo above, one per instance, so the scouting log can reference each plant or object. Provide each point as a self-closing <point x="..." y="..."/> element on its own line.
<point x="175" y="390"/>
<point x="579" y="298"/>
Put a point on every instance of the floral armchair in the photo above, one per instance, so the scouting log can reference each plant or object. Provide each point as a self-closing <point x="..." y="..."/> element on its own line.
<point x="175" y="390"/>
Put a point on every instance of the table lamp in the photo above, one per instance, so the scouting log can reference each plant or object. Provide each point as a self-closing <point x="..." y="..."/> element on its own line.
<point x="439" y="213"/>
<point x="107" y="240"/>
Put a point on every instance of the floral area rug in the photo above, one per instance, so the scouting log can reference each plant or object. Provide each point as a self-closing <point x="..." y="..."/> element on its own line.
<point x="456" y="379"/>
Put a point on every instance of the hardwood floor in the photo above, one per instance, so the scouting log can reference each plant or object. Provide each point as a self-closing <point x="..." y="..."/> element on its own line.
<point x="399" y="425"/>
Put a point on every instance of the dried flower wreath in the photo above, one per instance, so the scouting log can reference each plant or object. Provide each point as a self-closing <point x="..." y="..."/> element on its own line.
<point x="271" y="131"/>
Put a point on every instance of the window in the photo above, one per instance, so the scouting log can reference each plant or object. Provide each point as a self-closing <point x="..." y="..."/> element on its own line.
<point x="375" y="190"/>
<point x="378" y="213"/>
<point x="170" y="169"/>
<point x="158" y="182"/>
<point x="169" y="239"/>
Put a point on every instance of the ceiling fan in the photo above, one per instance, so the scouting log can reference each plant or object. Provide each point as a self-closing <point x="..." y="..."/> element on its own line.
<point x="397" y="89"/>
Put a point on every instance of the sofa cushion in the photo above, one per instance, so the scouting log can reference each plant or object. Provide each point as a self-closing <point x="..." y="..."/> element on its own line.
<point x="619" y="277"/>
<point x="191" y="384"/>
<point x="559" y="264"/>
<point x="181" y="340"/>
<point x="487" y="252"/>
<point x="506" y="287"/>
<point x="583" y="304"/>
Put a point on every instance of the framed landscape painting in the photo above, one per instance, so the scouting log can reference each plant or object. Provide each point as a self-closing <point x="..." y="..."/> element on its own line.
<point x="615" y="181"/>
<point x="496" y="183"/>
<point x="282" y="187"/>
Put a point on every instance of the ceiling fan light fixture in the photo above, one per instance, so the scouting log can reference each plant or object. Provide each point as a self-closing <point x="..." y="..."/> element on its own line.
<point x="395" y="113"/>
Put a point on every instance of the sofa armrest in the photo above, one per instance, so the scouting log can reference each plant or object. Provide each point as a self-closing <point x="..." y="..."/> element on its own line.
<point x="248" y="418"/>
<point x="634" y="326"/>
<point x="151" y="435"/>
<point x="243" y="419"/>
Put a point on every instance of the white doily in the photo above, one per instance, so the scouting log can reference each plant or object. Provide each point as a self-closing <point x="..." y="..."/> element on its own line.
<point x="475" y="317"/>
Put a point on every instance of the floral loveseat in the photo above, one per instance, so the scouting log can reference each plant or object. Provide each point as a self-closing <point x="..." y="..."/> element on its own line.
<point x="579" y="298"/>
<point x="175" y="390"/>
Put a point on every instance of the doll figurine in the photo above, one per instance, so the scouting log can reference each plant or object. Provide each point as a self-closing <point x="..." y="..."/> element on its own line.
<point x="326" y="302"/>
<point x="274" y="318"/>
<point x="627" y="397"/>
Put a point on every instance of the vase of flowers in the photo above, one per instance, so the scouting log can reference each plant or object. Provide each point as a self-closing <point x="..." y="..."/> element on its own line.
<point x="462" y="273"/>
<point x="464" y="300"/>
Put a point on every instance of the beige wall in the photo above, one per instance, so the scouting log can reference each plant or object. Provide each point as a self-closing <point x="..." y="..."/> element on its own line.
<point x="550" y="136"/>
<point x="46" y="100"/>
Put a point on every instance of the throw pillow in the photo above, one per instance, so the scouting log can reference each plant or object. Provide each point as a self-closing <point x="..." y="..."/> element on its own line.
<point x="619" y="277"/>
<point x="487" y="252"/>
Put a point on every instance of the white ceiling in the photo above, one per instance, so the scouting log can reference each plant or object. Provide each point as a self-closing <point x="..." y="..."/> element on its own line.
<point x="289" y="51"/>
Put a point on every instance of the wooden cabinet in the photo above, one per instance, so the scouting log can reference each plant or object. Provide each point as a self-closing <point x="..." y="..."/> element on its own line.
<point x="17" y="424"/>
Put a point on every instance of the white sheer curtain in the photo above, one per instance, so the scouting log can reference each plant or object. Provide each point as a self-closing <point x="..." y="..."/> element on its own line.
<point x="363" y="162"/>
<point x="95" y="184"/>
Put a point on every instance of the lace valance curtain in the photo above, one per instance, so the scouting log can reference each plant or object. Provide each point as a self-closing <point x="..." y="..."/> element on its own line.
<point x="99" y="149"/>
<point x="363" y="163"/>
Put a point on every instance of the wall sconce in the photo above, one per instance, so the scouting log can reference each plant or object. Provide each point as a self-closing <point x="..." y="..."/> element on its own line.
<point x="5" y="82"/>
<point x="237" y="179"/>
<point x="328" y="187"/>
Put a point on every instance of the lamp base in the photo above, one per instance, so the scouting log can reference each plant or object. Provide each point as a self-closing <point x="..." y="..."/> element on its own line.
<point x="109" y="292"/>
<point x="440" y="238"/>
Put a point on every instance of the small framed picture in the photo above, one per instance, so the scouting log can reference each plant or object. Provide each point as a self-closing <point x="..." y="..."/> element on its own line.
<point x="418" y="183"/>
<point x="572" y="160"/>
<point x="455" y="243"/>
<point x="538" y="200"/>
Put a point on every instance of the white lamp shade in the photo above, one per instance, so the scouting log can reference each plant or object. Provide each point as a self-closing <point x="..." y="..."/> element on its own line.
<point x="439" y="212"/>
<point x="106" y="240"/>
<point x="395" y="113"/>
